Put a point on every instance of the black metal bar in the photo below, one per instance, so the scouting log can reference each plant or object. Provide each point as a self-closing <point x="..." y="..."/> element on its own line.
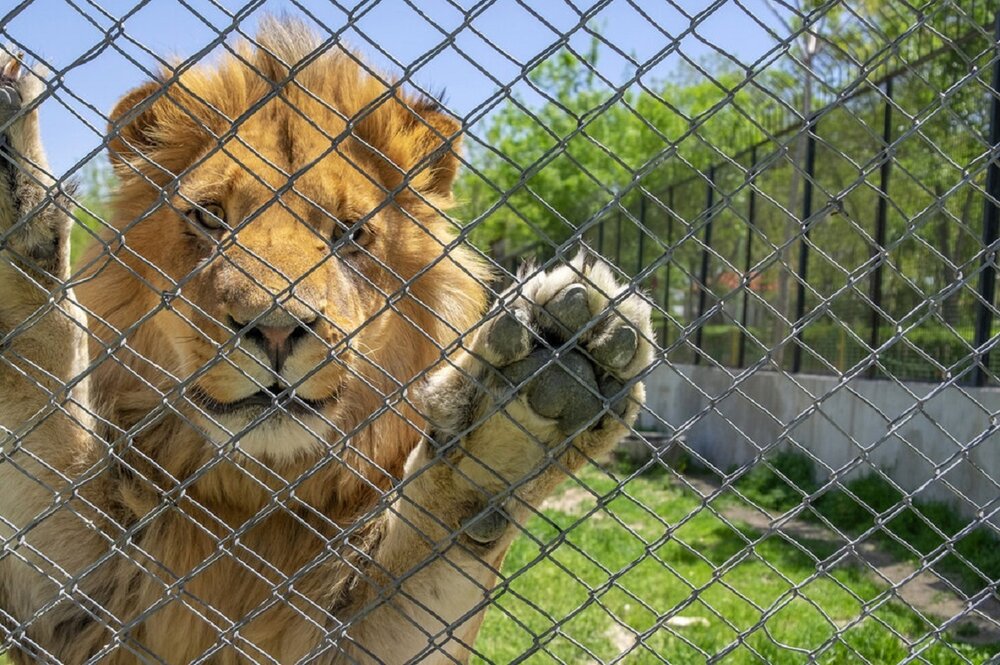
<point x="741" y="354"/>
<point x="803" y="267"/>
<point x="703" y="273"/>
<point x="642" y="234"/>
<point x="859" y="91"/>
<point x="991" y="225"/>
<point x="666" y="276"/>
<point x="875" y="286"/>
<point x="618" y="240"/>
<point x="600" y="236"/>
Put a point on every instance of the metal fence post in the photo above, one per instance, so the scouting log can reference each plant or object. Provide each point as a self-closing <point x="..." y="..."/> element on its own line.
<point x="600" y="236"/>
<point x="803" y="267"/>
<point x="666" y="276"/>
<point x="991" y="224"/>
<point x="875" y="287"/>
<point x="703" y="273"/>
<point x="642" y="234"/>
<point x="741" y="353"/>
<point x="618" y="239"/>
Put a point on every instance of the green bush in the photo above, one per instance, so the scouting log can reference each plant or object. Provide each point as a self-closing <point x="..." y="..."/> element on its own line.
<point x="767" y="489"/>
<point x="849" y="515"/>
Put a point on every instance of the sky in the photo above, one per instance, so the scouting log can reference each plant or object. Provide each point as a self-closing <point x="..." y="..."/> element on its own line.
<point x="100" y="49"/>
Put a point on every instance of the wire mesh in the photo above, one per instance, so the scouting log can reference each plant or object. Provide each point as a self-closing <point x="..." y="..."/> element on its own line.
<point x="671" y="342"/>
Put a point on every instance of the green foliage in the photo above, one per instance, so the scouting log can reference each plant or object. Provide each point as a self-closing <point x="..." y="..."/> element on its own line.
<point x="721" y="342"/>
<point x="554" y="165"/>
<point x="925" y="353"/>
<point x="95" y="186"/>
<point x="85" y="228"/>
<point x="919" y="530"/>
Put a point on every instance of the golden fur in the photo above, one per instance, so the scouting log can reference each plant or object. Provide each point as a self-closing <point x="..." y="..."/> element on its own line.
<point x="181" y="532"/>
<point x="282" y="255"/>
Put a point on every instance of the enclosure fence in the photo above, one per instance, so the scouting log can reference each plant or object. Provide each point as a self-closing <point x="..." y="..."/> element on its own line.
<point x="697" y="366"/>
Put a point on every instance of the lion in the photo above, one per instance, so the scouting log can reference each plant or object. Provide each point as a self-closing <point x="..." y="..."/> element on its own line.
<point x="273" y="415"/>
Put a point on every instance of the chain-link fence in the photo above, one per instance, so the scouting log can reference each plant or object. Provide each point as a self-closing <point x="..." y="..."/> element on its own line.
<point x="668" y="339"/>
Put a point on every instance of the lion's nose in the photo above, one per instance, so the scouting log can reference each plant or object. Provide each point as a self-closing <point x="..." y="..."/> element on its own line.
<point x="278" y="342"/>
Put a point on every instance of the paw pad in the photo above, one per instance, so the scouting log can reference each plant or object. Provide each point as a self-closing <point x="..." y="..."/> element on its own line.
<point x="567" y="390"/>
<point x="508" y="337"/>
<point x="568" y="311"/>
<point x="615" y="348"/>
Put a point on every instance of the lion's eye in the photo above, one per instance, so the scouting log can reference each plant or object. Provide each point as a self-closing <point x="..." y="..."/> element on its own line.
<point x="356" y="236"/>
<point x="211" y="216"/>
<point x="362" y="235"/>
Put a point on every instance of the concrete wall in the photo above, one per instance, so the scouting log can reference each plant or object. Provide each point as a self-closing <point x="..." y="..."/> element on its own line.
<point x="914" y="431"/>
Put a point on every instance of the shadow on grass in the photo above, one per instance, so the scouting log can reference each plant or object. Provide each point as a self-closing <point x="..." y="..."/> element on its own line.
<point x="920" y="529"/>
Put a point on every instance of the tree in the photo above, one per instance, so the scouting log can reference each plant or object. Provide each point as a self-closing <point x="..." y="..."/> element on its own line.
<point x="94" y="187"/>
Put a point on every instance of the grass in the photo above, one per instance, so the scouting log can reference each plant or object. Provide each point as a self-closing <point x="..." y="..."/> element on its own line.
<point x="581" y="589"/>
<point x="909" y="534"/>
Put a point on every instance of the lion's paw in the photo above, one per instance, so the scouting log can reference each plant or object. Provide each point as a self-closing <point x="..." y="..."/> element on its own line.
<point x="570" y="341"/>
<point x="552" y="373"/>
<point x="34" y="223"/>
<point x="557" y="359"/>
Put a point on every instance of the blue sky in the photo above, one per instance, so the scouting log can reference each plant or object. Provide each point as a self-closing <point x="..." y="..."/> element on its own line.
<point x="389" y="32"/>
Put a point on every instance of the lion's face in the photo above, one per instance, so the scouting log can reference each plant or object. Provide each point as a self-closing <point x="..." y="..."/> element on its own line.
<point x="296" y="254"/>
<point x="278" y="279"/>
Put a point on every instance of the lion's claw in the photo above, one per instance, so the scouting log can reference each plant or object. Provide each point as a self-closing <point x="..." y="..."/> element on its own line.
<point x="11" y="99"/>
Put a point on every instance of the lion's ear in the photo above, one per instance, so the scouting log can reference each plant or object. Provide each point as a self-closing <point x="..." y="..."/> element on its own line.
<point x="133" y="122"/>
<point x="438" y="137"/>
